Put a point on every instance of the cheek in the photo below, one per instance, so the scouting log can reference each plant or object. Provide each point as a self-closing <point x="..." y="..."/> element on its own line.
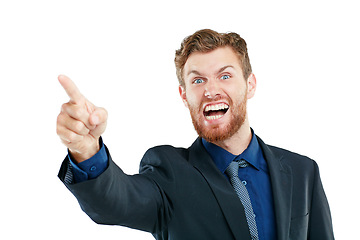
<point x="193" y="106"/>
<point x="239" y="93"/>
<point x="193" y="98"/>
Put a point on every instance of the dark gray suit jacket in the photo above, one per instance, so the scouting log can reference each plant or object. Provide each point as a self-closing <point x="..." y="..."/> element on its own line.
<point x="180" y="194"/>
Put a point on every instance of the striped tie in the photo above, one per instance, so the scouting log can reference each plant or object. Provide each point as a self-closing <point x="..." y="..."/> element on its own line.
<point x="232" y="171"/>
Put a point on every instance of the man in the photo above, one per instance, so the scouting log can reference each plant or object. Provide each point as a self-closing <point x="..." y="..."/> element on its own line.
<point x="228" y="185"/>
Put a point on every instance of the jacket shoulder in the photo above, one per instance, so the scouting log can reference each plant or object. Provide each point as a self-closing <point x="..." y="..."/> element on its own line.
<point x="293" y="159"/>
<point x="163" y="156"/>
<point x="165" y="151"/>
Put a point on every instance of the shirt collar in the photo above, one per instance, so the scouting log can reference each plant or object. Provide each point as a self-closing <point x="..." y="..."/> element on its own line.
<point x="223" y="158"/>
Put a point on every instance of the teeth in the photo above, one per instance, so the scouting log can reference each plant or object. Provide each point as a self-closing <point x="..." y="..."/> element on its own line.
<point x="213" y="117"/>
<point x="216" y="107"/>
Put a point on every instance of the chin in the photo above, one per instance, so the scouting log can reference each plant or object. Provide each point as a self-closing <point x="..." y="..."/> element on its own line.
<point x="219" y="132"/>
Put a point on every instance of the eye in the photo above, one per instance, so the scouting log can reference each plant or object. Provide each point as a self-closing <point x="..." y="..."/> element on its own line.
<point x="198" y="81"/>
<point x="224" y="77"/>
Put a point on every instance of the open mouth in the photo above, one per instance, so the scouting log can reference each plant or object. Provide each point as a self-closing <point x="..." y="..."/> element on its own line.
<point x="215" y="111"/>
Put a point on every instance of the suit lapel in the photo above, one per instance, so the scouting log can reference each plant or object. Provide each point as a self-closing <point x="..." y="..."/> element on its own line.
<point x="222" y="189"/>
<point x="281" y="182"/>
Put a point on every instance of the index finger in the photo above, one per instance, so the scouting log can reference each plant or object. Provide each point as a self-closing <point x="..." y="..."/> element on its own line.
<point x="71" y="89"/>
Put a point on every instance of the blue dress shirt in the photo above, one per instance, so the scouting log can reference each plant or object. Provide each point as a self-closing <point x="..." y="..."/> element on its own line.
<point x="256" y="178"/>
<point x="90" y="168"/>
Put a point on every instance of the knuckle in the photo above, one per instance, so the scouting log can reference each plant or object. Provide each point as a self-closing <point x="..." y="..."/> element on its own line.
<point x="58" y="129"/>
<point x="80" y="127"/>
<point x="78" y="113"/>
<point x="72" y="137"/>
<point x="63" y="107"/>
<point x="60" y="118"/>
<point x="60" y="123"/>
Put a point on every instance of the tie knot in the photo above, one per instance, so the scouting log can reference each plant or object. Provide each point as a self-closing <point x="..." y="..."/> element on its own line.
<point x="233" y="168"/>
<point x="243" y="163"/>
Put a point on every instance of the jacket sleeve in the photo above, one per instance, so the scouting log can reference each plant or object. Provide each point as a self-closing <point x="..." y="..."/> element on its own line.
<point x="115" y="198"/>
<point x="320" y="223"/>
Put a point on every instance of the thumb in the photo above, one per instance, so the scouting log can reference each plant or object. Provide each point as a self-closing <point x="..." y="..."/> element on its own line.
<point x="98" y="119"/>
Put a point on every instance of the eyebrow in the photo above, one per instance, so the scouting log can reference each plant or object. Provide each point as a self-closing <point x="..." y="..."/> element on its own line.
<point x="225" y="67"/>
<point x="219" y="71"/>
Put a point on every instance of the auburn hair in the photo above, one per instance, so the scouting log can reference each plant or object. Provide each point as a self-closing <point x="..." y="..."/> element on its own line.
<point x="206" y="40"/>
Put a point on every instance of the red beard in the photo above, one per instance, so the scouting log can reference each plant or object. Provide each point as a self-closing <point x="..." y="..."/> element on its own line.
<point x="218" y="133"/>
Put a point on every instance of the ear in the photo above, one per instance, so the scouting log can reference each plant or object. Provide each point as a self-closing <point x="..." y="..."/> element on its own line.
<point x="182" y="92"/>
<point x="251" y="86"/>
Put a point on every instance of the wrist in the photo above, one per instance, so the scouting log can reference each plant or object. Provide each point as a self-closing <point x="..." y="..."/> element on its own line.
<point x="80" y="156"/>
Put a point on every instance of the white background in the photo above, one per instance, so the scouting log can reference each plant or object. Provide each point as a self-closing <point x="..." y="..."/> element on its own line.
<point x="305" y="56"/>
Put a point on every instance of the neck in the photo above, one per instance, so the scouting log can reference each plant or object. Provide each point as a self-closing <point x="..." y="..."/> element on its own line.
<point x="239" y="141"/>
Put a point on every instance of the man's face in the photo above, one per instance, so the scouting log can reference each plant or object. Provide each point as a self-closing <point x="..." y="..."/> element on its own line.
<point x="216" y="93"/>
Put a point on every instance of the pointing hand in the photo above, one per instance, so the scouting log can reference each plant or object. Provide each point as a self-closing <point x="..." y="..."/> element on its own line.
<point x="80" y="123"/>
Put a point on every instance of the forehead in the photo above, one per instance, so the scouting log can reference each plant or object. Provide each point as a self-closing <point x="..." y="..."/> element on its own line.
<point x="211" y="61"/>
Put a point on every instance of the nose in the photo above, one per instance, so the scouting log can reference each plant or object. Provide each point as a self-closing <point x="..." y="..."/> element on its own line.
<point x="212" y="89"/>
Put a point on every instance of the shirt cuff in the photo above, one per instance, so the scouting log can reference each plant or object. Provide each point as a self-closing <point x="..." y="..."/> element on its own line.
<point x="90" y="168"/>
